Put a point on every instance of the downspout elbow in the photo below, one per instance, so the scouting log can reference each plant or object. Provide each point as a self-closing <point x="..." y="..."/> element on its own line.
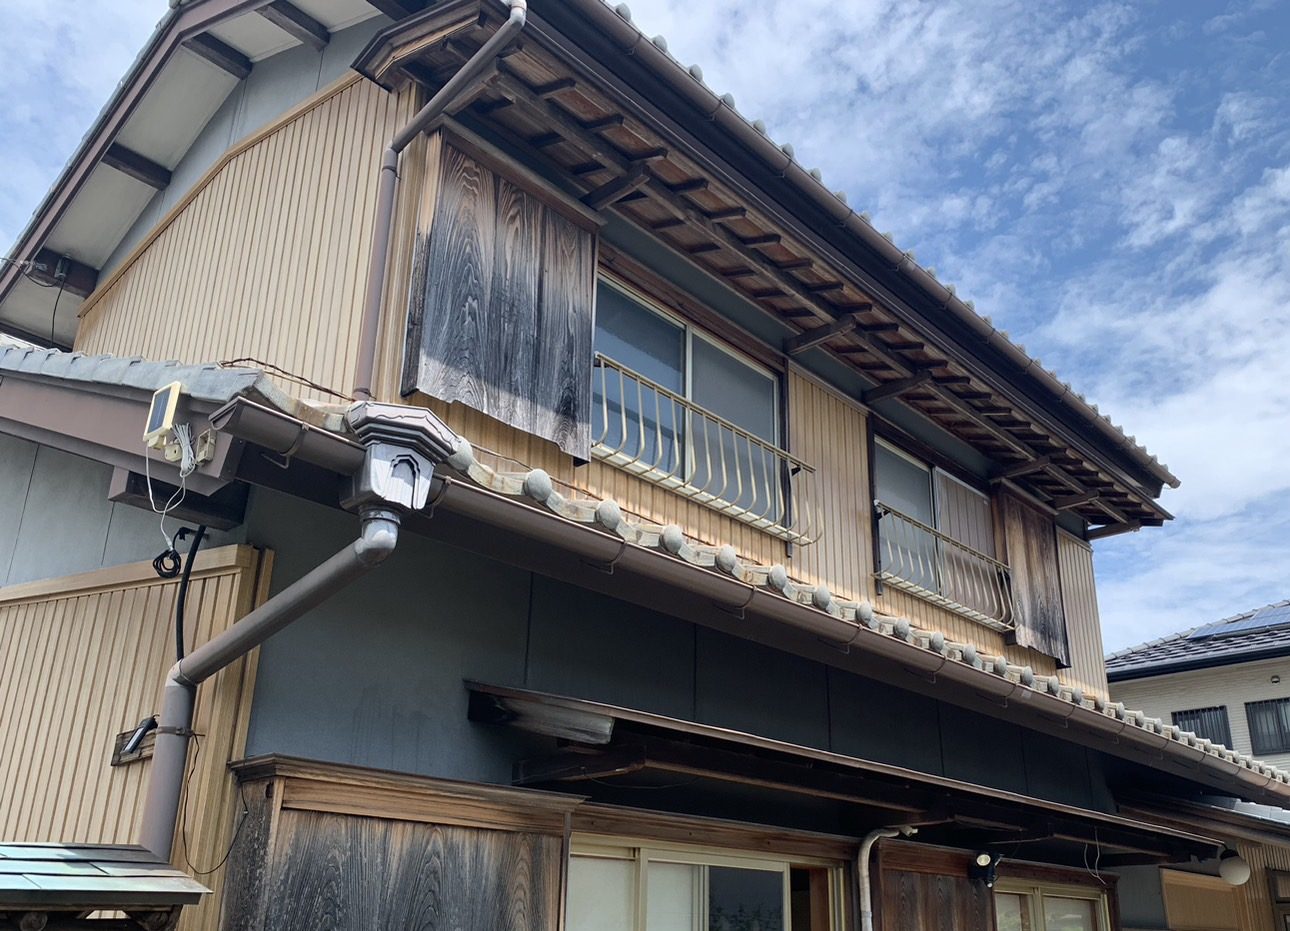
<point x="379" y="538"/>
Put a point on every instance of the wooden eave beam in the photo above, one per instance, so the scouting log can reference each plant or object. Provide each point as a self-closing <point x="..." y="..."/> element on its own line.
<point x="131" y="163"/>
<point x="613" y="191"/>
<point x="1023" y="468"/>
<point x="75" y="277"/>
<point x="296" y="23"/>
<point x="1110" y="530"/>
<point x="896" y="388"/>
<point x="220" y="54"/>
<point x="812" y="338"/>
<point x="1066" y="502"/>
<point x="576" y="765"/>
<point x="601" y="150"/>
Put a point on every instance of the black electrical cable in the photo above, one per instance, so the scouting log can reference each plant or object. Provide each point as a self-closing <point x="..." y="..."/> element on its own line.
<point x="182" y="598"/>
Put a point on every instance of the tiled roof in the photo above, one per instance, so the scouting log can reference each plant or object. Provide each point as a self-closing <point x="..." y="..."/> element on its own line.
<point x="538" y="488"/>
<point x="1183" y="650"/>
<point x="211" y="383"/>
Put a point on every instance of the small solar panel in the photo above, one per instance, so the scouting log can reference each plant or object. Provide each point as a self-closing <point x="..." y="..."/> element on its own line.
<point x="1262" y="619"/>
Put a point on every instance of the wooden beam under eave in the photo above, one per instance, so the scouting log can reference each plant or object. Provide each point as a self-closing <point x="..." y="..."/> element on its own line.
<point x="137" y="166"/>
<point x="60" y="271"/>
<point x="220" y="54"/>
<point x="893" y="389"/>
<point x="1110" y="530"/>
<point x="296" y="23"/>
<point x="1029" y="467"/>
<point x="613" y="191"/>
<point x="811" y="338"/>
<point x="1066" y="502"/>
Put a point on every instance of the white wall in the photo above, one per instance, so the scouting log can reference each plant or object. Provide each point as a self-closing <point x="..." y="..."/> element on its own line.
<point x="1231" y="686"/>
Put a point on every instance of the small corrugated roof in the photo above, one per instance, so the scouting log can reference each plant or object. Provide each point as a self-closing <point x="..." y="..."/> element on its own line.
<point x="1189" y="649"/>
<point x="90" y="877"/>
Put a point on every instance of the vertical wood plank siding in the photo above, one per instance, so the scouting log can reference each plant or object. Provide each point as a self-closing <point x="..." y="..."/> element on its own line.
<point x="82" y="659"/>
<point x="1083" y="625"/>
<point x="1254" y="901"/>
<point x="1030" y="540"/>
<point x="501" y="303"/>
<point x="267" y="257"/>
<point x="831" y="433"/>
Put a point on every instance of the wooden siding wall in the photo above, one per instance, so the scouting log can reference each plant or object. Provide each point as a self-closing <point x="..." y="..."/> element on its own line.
<point x="832" y="434"/>
<point x="349" y="854"/>
<point x="1254" y="902"/>
<point x="1030" y="541"/>
<point x="1204" y="903"/>
<point x="82" y="659"/>
<point x="1083" y="625"/>
<point x="502" y="299"/>
<point x="267" y="256"/>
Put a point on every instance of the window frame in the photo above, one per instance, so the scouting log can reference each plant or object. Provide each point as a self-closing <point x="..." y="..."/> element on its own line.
<point x="643" y="850"/>
<point x="1035" y="892"/>
<point x="1227" y="722"/>
<point x="933" y="470"/>
<point x="689" y="330"/>
<point x="1282" y="728"/>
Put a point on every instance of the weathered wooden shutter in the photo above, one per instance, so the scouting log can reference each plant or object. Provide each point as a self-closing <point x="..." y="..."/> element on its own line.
<point x="1031" y="542"/>
<point x="502" y="296"/>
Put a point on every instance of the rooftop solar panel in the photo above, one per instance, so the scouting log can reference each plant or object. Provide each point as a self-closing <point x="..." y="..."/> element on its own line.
<point x="1263" y="619"/>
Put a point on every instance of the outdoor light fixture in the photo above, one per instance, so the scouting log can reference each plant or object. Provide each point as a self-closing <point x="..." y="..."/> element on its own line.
<point x="1276" y="680"/>
<point x="983" y="869"/>
<point x="150" y="724"/>
<point x="1233" y="868"/>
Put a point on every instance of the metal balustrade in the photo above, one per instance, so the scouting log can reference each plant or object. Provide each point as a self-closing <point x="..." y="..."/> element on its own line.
<point x="646" y="429"/>
<point x="919" y="559"/>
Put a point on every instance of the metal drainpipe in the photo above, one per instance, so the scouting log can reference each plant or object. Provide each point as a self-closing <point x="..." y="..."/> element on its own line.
<point x="371" y="323"/>
<point x="866" y="886"/>
<point x="402" y="450"/>
<point x="174" y="729"/>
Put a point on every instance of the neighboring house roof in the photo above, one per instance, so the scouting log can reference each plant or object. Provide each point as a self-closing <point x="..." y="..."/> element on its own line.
<point x="1261" y="633"/>
<point x="190" y="21"/>
<point x="36" y="878"/>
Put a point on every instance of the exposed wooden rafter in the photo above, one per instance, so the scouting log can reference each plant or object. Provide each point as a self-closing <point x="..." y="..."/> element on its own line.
<point x="220" y="54"/>
<point x="613" y="191"/>
<point x="53" y="270"/>
<point x="296" y="23"/>
<point x="811" y="338"/>
<point x="827" y="301"/>
<point x="894" y="389"/>
<point x="131" y="163"/>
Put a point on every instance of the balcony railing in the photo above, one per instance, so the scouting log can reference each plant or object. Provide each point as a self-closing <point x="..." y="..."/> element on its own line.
<point x="647" y="430"/>
<point x="919" y="559"/>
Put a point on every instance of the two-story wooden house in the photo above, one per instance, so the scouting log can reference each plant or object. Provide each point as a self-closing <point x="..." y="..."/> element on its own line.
<point x="606" y="526"/>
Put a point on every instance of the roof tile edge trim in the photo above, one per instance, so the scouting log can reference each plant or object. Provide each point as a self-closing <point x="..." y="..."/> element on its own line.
<point x="536" y="486"/>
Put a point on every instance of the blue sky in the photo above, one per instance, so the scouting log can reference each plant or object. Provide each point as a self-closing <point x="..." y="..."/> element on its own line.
<point x="1109" y="182"/>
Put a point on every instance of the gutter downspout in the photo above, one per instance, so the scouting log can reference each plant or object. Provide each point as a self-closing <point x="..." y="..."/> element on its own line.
<point x="866" y="885"/>
<point x="370" y="327"/>
<point x="394" y="479"/>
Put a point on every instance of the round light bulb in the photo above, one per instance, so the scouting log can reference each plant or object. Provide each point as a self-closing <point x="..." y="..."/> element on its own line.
<point x="1233" y="868"/>
<point x="982" y="859"/>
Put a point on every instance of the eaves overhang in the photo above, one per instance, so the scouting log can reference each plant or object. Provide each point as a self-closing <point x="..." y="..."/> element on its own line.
<point x="599" y="743"/>
<point x="1193" y="664"/>
<point x="658" y="566"/>
<point x="610" y="115"/>
<point x="200" y="51"/>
